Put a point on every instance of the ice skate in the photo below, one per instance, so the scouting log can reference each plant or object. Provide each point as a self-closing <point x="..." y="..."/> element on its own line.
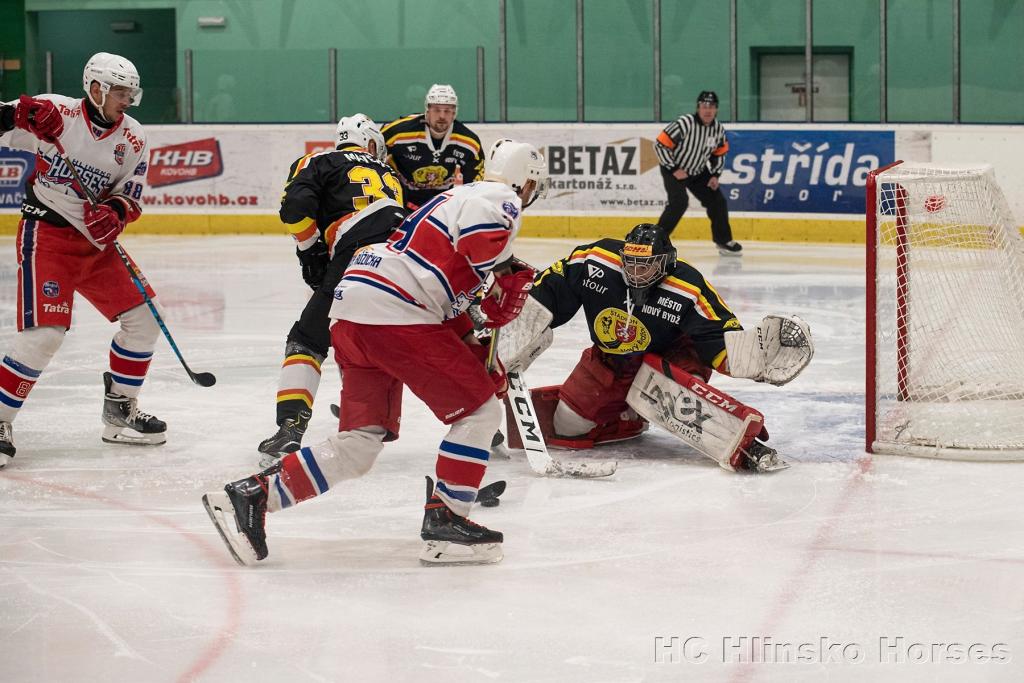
<point x="287" y="439"/>
<point x="122" y="413"/>
<point x="6" y="443"/>
<point x="240" y="515"/>
<point x="451" y="539"/>
<point x="730" y="248"/>
<point x="498" y="447"/>
<point x="759" y="457"/>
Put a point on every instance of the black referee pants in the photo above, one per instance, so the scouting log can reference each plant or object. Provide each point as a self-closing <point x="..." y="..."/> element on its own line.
<point x="712" y="200"/>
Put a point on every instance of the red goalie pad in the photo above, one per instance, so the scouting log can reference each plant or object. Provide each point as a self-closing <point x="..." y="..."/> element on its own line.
<point x="545" y="399"/>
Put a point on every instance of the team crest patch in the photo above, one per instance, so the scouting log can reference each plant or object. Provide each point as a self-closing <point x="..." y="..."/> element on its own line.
<point x="51" y="289"/>
<point x="119" y="152"/>
<point x="141" y="168"/>
<point x="618" y="332"/>
<point x="510" y="209"/>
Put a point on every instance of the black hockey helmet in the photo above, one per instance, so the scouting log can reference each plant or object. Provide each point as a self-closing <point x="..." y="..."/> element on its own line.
<point x="708" y="97"/>
<point x="647" y="258"/>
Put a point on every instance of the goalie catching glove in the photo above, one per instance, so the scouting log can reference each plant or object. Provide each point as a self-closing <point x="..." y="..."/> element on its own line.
<point x="506" y="297"/>
<point x="776" y="351"/>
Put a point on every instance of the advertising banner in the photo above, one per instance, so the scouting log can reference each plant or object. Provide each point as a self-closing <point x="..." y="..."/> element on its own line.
<point x="15" y="167"/>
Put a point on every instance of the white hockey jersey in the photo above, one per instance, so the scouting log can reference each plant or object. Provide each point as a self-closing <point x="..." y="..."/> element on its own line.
<point x="435" y="262"/>
<point x="110" y="161"/>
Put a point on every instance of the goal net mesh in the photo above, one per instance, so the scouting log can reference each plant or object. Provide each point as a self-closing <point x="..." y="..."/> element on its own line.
<point x="949" y="315"/>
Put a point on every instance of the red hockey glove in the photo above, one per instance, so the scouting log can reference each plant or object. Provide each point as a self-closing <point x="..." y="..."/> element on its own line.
<point x="505" y="299"/>
<point x="497" y="373"/>
<point x="39" y="117"/>
<point x="103" y="223"/>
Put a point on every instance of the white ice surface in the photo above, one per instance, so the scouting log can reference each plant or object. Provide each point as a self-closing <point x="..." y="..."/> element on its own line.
<point x="111" y="571"/>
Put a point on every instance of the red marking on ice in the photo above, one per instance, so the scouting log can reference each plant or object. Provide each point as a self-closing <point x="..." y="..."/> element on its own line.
<point x="217" y="556"/>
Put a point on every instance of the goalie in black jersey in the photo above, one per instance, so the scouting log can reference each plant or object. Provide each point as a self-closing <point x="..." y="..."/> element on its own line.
<point x="433" y="151"/>
<point x="658" y="330"/>
<point x="334" y="203"/>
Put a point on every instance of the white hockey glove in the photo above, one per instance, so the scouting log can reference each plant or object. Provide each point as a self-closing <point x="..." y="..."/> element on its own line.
<point x="776" y="351"/>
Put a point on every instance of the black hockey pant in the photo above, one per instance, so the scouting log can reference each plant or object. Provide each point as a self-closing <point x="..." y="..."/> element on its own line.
<point x="713" y="201"/>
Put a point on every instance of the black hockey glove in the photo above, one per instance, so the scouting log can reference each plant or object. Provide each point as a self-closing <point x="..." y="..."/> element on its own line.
<point x="6" y="117"/>
<point x="314" y="263"/>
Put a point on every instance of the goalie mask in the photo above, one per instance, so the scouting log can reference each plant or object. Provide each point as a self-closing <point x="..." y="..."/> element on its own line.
<point x="359" y="130"/>
<point x="109" y="70"/>
<point x="647" y="258"/>
<point x="516" y="163"/>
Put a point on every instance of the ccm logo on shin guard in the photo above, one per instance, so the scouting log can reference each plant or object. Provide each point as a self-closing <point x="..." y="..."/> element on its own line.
<point x="711" y="396"/>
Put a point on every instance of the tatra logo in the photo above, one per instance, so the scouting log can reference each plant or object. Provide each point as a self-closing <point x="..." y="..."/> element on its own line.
<point x="134" y="140"/>
<point x="618" y="333"/>
<point x="594" y="271"/>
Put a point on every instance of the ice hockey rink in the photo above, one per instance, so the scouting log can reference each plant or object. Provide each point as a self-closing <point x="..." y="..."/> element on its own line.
<point x="843" y="568"/>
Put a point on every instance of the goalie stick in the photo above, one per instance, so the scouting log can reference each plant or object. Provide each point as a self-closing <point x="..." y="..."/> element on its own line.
<point x="203" y="379"/>
<point x="537" y="454"/>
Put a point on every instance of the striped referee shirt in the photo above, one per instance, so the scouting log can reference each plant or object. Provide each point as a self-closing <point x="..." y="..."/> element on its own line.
<point x="688" y="144"/>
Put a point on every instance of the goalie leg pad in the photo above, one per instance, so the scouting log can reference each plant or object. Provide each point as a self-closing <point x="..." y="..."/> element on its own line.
<point x="706" y="418"/>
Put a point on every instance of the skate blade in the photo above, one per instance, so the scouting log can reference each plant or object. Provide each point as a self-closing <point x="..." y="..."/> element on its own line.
<point x="775" y="465"/>
<point x="124" y="435"/>
<point x="441" y="553"/>
<point x="4" y="459"/>
<point x="222" y="514"/>
<point x="270" y="459"/>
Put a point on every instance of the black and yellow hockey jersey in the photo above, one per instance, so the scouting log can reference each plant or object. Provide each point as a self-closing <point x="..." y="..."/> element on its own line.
<point x="684" y="304"/>
<point x="427" y="166"/>
<point x="325" y="188"/>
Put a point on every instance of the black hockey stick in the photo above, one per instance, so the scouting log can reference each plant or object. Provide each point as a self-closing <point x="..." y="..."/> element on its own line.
<point x="203" y="379"/>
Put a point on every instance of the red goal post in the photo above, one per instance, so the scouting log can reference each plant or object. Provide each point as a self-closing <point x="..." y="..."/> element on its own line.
<point x="945" y="315"/>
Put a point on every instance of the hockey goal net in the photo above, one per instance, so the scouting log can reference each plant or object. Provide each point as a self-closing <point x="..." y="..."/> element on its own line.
<point x="945" y="327"/>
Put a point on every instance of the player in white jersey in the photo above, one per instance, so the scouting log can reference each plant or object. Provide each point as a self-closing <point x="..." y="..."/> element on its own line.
<point x="63" y="242"/>
<point x="400" y="312"/>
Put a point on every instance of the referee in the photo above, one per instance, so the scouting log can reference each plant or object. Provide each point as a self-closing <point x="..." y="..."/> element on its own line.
<point x="691" y="152"/>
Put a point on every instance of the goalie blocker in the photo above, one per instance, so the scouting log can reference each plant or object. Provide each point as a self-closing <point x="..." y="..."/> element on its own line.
<point x="708" y="419"/>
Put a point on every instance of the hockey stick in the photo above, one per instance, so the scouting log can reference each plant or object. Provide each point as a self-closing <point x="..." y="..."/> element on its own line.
<point x="203" y="379"/>
<point x="532" y="437"/>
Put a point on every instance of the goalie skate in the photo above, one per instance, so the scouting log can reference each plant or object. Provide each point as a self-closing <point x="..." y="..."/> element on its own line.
<point x="759" y="457"/>
<point x="451" y="539"/>
<point x="125" y="423"/>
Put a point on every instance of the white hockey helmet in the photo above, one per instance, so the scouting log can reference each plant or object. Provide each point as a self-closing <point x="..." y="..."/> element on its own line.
<point x="514" y="163"/>
<point x="359" y="129"/>
<point x="441" y="93"/>
<point x="109" y="70"/>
